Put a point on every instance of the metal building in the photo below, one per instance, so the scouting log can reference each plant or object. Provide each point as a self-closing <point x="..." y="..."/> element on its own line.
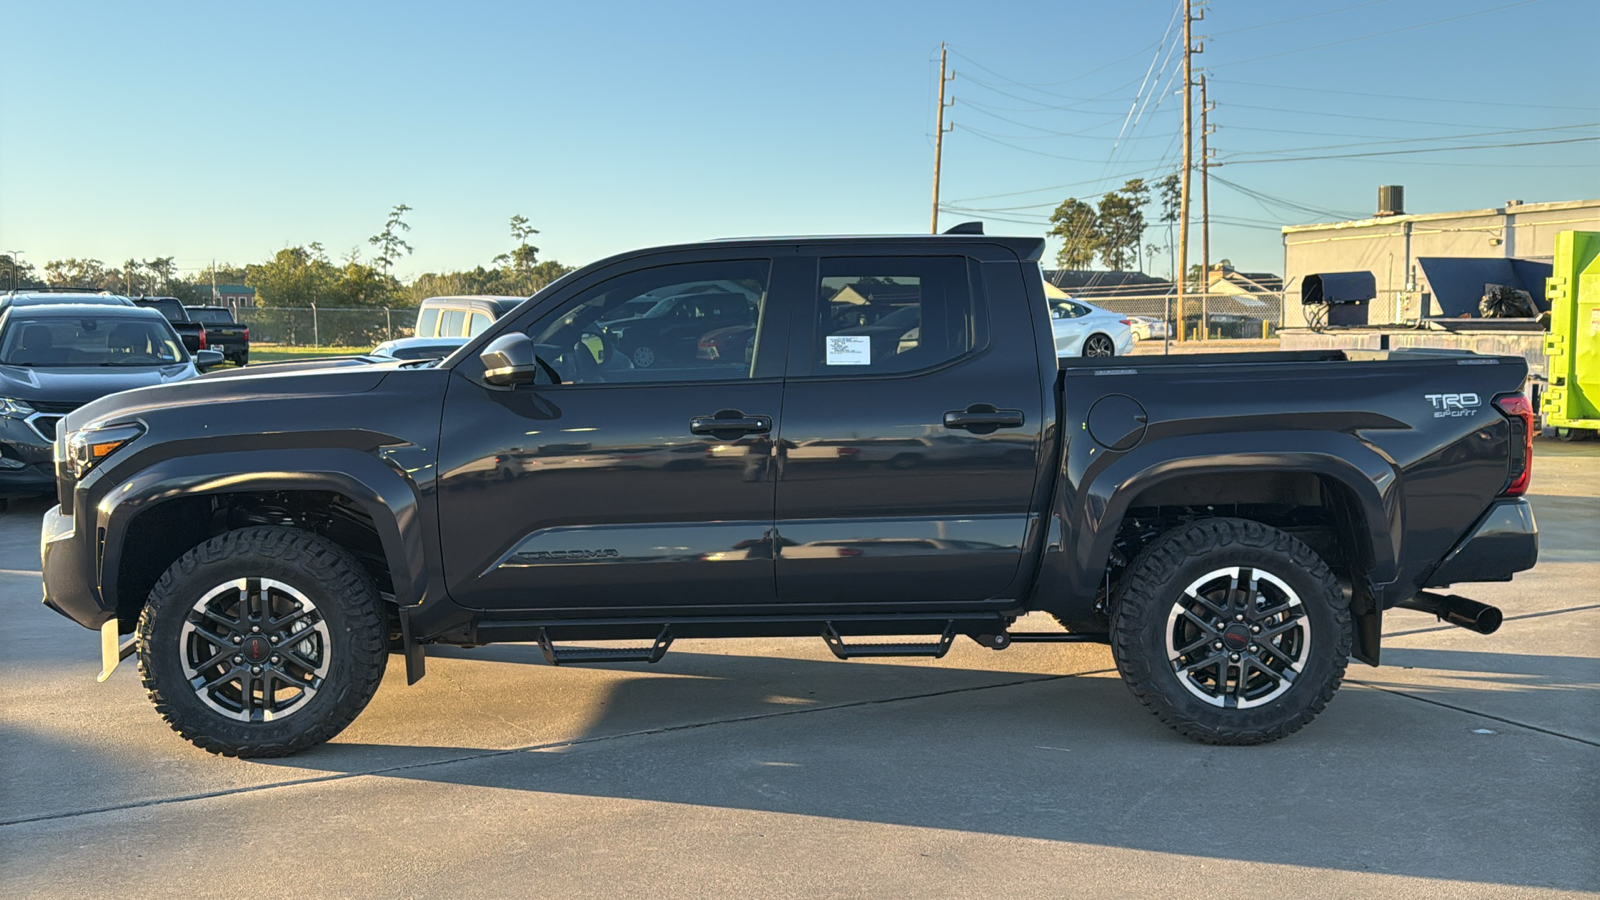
<point x="1393" y="246"/>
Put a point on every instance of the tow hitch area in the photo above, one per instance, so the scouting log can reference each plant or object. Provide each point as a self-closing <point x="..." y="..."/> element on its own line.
<point x="1469" y="614"/>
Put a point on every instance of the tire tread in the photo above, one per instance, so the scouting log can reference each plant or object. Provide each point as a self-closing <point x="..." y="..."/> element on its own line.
<point x="330" y="567"/>
<point x="1140" y="596"/>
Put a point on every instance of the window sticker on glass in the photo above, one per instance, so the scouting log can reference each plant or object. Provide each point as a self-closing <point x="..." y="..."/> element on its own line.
<point x="849" y="350"/>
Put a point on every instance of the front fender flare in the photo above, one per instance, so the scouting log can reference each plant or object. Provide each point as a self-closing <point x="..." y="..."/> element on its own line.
<point x="384" y="494"/>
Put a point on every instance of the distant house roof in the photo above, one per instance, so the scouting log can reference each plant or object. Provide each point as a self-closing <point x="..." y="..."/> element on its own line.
<point x="1228" y="280"/>
<point x="235" y="290"/>
<point x="1087" y="283"/>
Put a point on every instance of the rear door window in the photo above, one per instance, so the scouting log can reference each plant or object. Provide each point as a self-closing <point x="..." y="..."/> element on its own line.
<point x="478" y="324"/>
<point x="428" y="322"/>
<point x="897" y="314"/>
<point x="453" y="323"/>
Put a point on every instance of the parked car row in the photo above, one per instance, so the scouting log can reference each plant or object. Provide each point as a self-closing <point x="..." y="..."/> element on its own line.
<point x="59" y="351"/>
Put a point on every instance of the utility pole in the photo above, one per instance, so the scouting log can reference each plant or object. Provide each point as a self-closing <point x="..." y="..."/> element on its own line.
<point x="213" y="281"/>
<point x="938" y="137"/>
<point x="14" y="254"/>
<point x="1205" y="215"/>
<point x="1189" y="18"/>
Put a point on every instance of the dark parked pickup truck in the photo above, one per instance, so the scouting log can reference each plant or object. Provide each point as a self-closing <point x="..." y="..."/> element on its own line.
<point x="223" y="333"/>
<point x="1233" y="525"/>
<point x="192" y="332"/>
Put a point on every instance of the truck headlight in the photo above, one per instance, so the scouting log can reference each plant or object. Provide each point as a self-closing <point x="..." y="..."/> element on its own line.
<point x="14" y="409"/>
<point x="85" y="449"/>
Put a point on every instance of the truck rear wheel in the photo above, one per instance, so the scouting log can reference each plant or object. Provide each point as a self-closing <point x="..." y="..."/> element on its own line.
<point x="262" y="642"/>
<point x="1231" y="631"/>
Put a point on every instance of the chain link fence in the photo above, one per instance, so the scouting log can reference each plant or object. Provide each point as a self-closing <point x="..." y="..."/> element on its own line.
<point x="320" y="327"/>
<point x="1214" y="316"/>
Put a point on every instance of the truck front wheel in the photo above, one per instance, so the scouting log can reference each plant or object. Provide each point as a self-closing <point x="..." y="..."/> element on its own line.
<point x="262" y="642"/>
<point x="1231" y="631"/>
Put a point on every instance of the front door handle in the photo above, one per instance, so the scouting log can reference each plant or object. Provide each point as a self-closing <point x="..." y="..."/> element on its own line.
<point x="981" y="418"/>
<point x="730" y="422"/>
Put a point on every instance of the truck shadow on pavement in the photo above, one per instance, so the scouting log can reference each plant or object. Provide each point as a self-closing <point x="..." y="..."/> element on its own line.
<point x="1076" y="759"/>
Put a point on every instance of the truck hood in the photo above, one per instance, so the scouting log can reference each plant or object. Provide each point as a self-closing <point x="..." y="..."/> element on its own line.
<point x="78" y="385"/>
<point x="229" y="393"/>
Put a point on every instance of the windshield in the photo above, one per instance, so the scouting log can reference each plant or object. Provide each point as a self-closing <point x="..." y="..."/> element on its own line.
<point x="211" y="316"/>
<point x="88" y="340"/>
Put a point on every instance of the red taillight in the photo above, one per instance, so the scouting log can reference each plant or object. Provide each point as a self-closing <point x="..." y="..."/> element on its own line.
<point x="1519" y="411"/>
<point x="202" y="339"/>
<point x="247" y="334"/>
<point x="849" y="452"/>
<point x="1126" y="321"/>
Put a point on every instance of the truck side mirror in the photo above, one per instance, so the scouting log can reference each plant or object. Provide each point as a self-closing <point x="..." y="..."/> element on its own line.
<point x="510" y="360"/>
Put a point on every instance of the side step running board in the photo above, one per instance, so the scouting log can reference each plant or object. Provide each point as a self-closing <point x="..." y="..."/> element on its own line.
<point x="566" y="656"/>
<point x="935" y="650"/>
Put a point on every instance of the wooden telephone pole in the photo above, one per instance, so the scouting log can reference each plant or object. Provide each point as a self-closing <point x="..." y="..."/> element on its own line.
<point x="1189" y="50"/>
<point x="938" y="137"/>
<point x="1205" y="215"/>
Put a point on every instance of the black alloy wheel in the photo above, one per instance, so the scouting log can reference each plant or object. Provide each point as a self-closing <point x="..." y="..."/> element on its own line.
<point x="1231" y="631"/>
<point x="1099" y="345"/>
<point x="262" y="642"/>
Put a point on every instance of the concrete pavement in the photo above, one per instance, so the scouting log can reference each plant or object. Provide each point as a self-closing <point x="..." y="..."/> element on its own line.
<point x="1467" y="766"/>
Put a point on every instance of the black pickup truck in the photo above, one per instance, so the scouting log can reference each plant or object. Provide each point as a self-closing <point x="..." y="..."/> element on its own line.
<point x="1233" y="525"/>
<point x="223" y="333"/>
<point x="190" y="330"/>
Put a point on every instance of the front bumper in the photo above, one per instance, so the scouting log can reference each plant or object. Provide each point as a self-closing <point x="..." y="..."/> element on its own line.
<point x="67" y="559"/>
<point x="1505" y="541"/>
<point x="26" y="467"/>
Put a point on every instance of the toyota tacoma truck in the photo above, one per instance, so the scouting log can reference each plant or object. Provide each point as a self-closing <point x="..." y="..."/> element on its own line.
<point x="898" y="461"/>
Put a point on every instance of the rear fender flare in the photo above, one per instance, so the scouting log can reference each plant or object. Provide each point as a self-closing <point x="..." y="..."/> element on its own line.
<point x="1114" y="481"/>
<point x="386" y="495"/>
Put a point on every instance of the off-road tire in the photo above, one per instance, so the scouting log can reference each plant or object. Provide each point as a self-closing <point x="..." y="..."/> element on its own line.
<point x="1156" y="582"/>
<point x="340" y="590"/>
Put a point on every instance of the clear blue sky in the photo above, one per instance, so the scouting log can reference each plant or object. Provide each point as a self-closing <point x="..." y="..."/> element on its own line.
<point x="230" y="131"/>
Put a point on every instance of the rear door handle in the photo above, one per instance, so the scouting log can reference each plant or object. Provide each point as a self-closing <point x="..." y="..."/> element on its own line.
<point x="983" y="418"/>
<point x="730" y="421"/>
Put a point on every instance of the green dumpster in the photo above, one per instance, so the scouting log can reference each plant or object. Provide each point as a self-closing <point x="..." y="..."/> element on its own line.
<point x="1571" y="400"/>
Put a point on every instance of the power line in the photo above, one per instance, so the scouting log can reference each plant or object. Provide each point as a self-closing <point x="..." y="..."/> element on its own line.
<point x="1037" y="84"/>
<point x="1326" y="12"/>
<point x="1040" y="104"/>
<point x="1448" y="137"/>
<point x="1099" y="98"/>
<point x="1331" y="115"/>
<point x="1059" y="187"/>
<point x="1286" y="87"/>
<point x="1378" y="34"/>
<point x="1261" y="196"/>
<point x="1581" y="140"/>
<point x="994" y="140"/>
<point x="1046" y="132"/>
